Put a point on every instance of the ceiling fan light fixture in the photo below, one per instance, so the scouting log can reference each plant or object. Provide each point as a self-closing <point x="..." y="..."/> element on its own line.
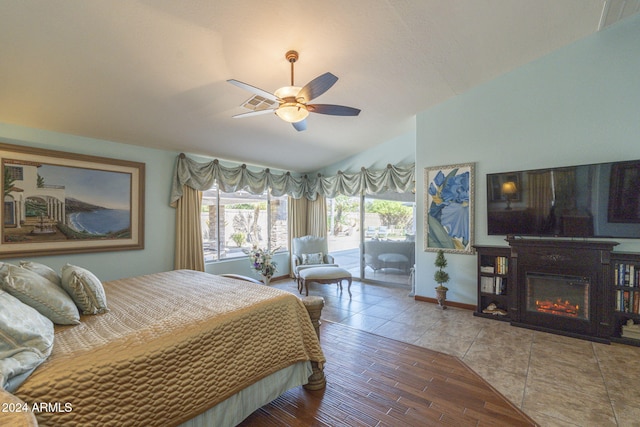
<point x="292" y="112"/>
<point x="287" y="92"/>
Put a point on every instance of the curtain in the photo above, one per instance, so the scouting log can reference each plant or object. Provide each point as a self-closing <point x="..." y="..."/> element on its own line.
<point x="317" y="217"/>
<point x="201" y="176"/>
<point x="297" y="218"/>
<point x="308" y="216"/>
<point x="189" y="253"/>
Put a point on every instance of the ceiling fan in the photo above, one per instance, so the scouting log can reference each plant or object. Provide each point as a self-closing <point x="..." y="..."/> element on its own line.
<point x="290" y="102"/>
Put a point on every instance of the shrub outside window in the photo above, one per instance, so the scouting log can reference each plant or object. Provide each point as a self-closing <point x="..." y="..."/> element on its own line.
<point x="233" y="222"/>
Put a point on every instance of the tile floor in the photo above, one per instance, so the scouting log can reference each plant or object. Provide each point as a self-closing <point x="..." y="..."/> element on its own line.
<point x="558" y="381"/>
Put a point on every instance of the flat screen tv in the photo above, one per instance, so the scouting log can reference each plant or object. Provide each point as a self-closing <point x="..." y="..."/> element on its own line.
<point x="599" y="200"/>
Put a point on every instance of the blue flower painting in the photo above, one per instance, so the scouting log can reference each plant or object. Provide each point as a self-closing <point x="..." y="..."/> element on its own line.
<point x="449" y="208"/>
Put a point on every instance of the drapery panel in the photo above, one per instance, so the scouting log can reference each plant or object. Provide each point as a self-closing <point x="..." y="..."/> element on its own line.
<point x="189" y="253"/>
<point x="201" y="176"/>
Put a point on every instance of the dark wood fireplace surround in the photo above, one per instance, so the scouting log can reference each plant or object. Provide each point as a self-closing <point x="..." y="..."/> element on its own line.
<point x="589" y="260"/>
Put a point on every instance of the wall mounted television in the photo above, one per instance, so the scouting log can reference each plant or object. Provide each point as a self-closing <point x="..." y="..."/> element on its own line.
<point x="598" y="200"/>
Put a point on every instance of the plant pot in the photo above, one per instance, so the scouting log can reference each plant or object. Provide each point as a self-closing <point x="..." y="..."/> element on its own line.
<point x="441" y="294"/>
<point x="266" y="280"/>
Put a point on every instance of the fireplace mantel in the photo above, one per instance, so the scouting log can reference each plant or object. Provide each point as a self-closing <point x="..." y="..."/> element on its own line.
<point x="586" y="261"/>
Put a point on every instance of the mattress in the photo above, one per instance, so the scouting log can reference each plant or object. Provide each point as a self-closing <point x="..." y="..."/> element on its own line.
<point x="173" y="345"/>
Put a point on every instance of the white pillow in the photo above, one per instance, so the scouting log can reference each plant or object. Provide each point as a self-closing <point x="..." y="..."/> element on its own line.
<point x="85" y="289"/>
<point x="43" y="295"/>
<point x="315" y="258"/>
<point x="27" y="340"/>
<point x="43" y="270"/>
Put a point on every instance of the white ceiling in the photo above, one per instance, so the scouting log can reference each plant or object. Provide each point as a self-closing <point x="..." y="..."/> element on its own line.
<point x="153" y="72"/>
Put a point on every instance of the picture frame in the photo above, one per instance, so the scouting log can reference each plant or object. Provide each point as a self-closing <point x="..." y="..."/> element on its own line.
<point x="449" y="206"/>
<point x="57" y="202"/>
<point x="624" y="198"/>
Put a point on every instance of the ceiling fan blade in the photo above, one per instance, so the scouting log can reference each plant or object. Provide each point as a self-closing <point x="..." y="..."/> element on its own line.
<point x="253" y="113"/>
<point x="301" y="125"/>
<point x="333" y="110"/>
<point x="317" y="87"/>
<point x="253" y="89"/>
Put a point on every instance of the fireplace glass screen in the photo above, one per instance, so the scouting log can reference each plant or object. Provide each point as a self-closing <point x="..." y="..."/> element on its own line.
<point x="566" y="296"/>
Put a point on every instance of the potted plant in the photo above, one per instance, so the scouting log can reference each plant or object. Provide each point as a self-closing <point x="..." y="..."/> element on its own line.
<point x="441" y="277"/>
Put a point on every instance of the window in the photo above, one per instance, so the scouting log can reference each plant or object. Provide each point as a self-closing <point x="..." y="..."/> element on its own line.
<point x="232" y="222"/>
<point x="14" y="172"/>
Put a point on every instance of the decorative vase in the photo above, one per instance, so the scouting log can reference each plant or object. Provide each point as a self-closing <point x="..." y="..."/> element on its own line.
<point x="266" y="280"/>
<point x="442" y="297"/>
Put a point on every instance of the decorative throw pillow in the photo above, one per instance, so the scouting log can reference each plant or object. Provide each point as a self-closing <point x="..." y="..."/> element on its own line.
<point x="85" y="289"/>
<point x="317" y="258"/>
<point x="27" y="340"/>
<point x="43" y="270"/>
<point x="42" y="294"/>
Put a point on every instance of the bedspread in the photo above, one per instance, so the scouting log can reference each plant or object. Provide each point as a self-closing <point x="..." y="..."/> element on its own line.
<point x="173" y="345"/>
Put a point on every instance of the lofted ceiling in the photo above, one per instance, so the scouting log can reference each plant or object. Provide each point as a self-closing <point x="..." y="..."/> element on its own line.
<point x="153" y="72"/>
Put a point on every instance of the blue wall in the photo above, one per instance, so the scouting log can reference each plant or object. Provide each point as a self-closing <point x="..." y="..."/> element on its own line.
<point x="159" y="223"/>
<point x="398" y="151"/>
<point x="577" y="105"/>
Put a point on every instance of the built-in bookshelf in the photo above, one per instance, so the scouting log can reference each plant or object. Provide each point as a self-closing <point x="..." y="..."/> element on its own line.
<point x="626" y="297"/>
<point x="493" y="282"/>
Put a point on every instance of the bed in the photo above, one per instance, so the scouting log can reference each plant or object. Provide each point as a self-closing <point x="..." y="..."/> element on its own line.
<point x="179" y="347"/>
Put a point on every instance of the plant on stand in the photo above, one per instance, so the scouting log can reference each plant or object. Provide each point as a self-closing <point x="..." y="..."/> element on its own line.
<point x="441" y="277"/>
<point x="262" y="263"/>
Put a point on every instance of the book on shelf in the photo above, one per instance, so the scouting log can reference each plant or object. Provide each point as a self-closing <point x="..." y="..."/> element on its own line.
<point x="500" y="287"/>
<point x="502" y="265"/>
<point x="486" y="284"/>
<point x="627" y="275"/>
<point x="487" y="269"/>
<point x="628" y="301"/>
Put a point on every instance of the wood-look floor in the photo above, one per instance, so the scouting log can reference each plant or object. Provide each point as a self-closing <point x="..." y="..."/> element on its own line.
<point x="376" y="381"/>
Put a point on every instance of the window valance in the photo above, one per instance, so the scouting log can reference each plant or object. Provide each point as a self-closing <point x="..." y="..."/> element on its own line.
<point x="201" y="176"/>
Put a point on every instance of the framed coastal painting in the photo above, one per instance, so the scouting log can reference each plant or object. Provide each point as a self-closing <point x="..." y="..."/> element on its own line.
<point x="58" y="203"/>
<point x="449" y="208"/>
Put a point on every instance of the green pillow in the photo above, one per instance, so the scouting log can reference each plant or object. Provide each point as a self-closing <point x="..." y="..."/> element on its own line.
<point x="312" y="259"/>
<point x="27" y="340"/>
<point x="85" y="289"/>
<point x="42" y="294"/>
<point x="42" y="270"/>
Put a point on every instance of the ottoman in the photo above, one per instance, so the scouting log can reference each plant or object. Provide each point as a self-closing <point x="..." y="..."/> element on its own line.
<point x="324" y="275"/>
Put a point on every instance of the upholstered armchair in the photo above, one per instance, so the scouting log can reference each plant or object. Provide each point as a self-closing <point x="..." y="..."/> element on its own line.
<point x="308" y="252"/>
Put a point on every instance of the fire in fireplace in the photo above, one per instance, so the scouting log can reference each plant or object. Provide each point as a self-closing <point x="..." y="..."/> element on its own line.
<point x="558" y="295"/>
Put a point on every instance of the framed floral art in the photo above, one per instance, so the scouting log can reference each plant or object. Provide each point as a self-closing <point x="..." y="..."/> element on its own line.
<point x="449" y="208"/>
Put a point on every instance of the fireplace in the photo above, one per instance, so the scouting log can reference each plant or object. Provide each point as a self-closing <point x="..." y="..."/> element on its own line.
<point x="560" y="286"/>
<point x="558" y="295"/>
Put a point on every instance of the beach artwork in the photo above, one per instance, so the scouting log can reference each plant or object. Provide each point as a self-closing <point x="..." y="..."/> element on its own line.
<point x="71" y="205"/>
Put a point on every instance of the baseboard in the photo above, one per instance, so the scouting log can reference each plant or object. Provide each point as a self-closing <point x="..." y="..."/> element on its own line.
<point x="449" y="303"/>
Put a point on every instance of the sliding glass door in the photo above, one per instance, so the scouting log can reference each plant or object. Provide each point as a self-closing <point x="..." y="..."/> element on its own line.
<point x="388" y="249"/>
<point x="373" y="236"/>
<point x="343" y="232"/>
